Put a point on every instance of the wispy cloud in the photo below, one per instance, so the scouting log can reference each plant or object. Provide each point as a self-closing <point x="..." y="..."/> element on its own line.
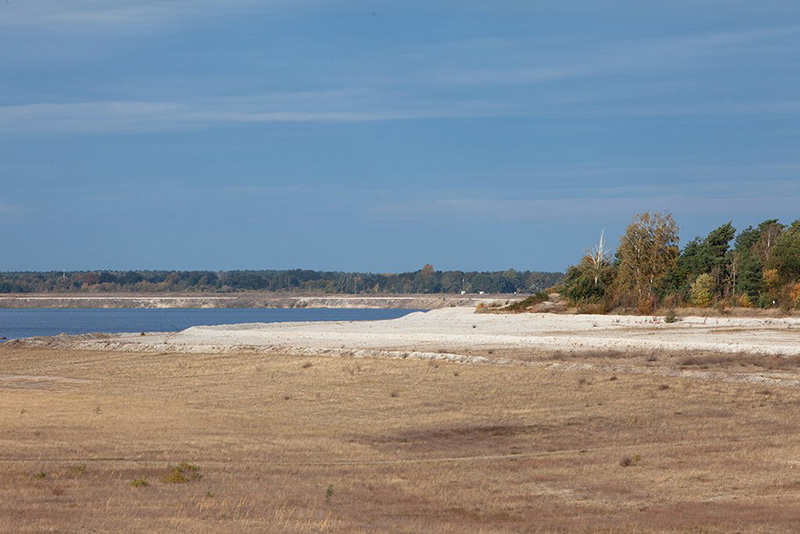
<point x="701" y="177"/>
<point x="692" y="109"/>
<point x="137" y="117"/>
<point x="781" y="197"/>
<point x="133" y="117"/>
<point x="115" y="13"/>
<point x="598" y="58"/>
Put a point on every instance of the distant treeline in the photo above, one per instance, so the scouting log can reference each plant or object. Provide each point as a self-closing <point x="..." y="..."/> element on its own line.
<point x="426" y="280"/>
<point x="759" y="266"/>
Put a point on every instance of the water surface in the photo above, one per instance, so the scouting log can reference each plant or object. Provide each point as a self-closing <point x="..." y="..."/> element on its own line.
<point x="28" y="322"/>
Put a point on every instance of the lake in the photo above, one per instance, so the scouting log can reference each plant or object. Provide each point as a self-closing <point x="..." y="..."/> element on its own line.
<point x="27" y="322"/>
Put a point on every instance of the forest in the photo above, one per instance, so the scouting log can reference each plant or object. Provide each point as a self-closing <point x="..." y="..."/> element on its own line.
<point x="756" y="267"/>
<point x="425" y="280"/>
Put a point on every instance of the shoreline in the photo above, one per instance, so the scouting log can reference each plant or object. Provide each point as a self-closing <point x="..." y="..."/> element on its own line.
<point x="461" y="331"/>
<point x="248" y="300"/>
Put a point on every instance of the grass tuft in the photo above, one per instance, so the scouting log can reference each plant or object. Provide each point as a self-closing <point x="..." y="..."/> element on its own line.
<point x="182" y="473"/>
<point x="79" y="469"/>
<point x="628" y="461"/>
<point x="140" y="482"/>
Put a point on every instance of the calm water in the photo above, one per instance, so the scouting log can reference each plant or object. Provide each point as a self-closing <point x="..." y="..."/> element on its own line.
<point x="18" y="323"/>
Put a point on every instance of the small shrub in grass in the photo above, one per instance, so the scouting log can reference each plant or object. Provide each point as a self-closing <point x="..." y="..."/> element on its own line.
<point x="140" y="482"/>
<point x="181" y="473"/>
<point x="175" y="476"/>
<point x="329" y="493"/>
<point x="185" y="466"/>
<point x="628" y="461"/>
<point x="671" y="317"/>
<point x="40" y="475"/>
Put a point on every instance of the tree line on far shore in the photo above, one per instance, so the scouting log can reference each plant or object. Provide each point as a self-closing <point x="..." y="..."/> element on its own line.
<point x="425" y="280"/>
<point x="759" y="266"/>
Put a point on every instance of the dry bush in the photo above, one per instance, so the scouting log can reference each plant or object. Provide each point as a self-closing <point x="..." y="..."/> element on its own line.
<point x="709" y="359"/>
<point x="591" y="308"/>
<point x="182" y="473"/>
<point x="739" y="359"/>
<point x="526" y="303"/>
<point x="587" y="354"/>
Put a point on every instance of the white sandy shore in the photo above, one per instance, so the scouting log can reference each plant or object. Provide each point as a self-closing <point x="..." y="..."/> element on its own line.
<point x="451" y="332"/>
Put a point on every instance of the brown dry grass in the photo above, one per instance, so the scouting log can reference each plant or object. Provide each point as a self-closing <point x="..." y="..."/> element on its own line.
<point x="380" y="446"/>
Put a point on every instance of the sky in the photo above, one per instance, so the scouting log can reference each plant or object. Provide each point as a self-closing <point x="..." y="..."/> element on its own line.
<point x="383" y="135"/>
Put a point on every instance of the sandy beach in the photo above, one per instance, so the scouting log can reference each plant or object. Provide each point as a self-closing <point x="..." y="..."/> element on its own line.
<point x="460" y="331"/>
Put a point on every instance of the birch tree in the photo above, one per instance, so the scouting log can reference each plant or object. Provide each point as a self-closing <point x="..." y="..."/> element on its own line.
<point x="590" y="279"/>
<point x="647" y="252"/>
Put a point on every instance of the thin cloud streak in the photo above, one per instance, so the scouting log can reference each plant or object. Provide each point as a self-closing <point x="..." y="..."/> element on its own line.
<point x="657" y="54"/>
<point x="782" y="200"/>
<point x="135" y="117"/>
<point x="105" y="14"/>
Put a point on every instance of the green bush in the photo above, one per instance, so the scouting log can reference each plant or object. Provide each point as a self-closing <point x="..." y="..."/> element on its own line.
<point x="701" y="292"/>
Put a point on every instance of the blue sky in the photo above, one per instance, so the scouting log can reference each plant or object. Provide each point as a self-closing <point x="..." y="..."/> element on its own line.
<point x="380" y="136"/>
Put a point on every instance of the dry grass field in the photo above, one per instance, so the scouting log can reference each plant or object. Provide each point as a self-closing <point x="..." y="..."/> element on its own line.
<point x="271" y="443"/>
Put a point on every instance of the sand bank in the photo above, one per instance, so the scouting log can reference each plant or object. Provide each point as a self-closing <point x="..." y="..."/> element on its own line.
<point x="453" y="333"/>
